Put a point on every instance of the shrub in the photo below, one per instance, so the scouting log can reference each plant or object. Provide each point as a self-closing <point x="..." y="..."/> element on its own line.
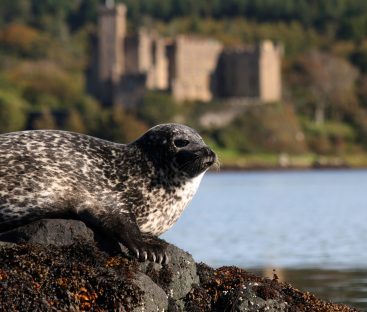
<point x="265" y="128"/>
<point x="156" y="108"/>
<point x="13" y="111"/>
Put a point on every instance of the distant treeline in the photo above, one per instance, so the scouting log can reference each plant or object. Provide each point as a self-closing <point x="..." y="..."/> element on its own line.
<point x="348" y="18"/>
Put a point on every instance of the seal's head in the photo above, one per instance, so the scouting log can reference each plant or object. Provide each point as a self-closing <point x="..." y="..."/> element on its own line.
<point x="178" y="148"/>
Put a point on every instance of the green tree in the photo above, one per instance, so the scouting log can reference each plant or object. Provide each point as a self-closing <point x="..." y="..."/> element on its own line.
<point x="45" y="120"/>
<point x="39" y="78"/>
<point x="74" y="122"/>
<point x="91" y="114"/>
<point x="21" y="40"/>
<point x="331" y="81"/>
<point x="359" y="57"/>
<point x="14" y="11"/>
<point x="156" y="108"/>
<point x="267" y="128"/>
<point x="120" y="126"/>
<point x="353" y="28"/>
<point x="13" y="111"/>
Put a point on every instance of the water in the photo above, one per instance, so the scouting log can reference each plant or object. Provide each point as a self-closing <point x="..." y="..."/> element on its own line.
<point x="311" y="226"/>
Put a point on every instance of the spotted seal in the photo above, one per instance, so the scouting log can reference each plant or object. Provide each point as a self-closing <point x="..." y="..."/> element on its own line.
<point x="130" y="192"/>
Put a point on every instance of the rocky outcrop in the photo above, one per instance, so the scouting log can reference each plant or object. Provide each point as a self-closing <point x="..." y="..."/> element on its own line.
<point x="61" y="265"/>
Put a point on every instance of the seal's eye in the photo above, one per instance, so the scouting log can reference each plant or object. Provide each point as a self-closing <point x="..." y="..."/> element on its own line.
<point x="180" y="142"/>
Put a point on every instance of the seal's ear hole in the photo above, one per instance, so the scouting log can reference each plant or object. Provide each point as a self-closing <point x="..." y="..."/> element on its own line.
<point x="180" y="142"/>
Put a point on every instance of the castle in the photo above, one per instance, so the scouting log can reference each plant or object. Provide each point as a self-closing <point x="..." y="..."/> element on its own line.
<point x="187" y="67"/>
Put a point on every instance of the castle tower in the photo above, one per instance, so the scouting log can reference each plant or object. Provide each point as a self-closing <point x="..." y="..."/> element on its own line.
<point x="111" y="36"/>
<point x="250" y="72"/>
<point x="270" y="84"/>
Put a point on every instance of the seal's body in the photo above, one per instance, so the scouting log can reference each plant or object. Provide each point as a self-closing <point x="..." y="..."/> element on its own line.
<point x="130" y="192"/>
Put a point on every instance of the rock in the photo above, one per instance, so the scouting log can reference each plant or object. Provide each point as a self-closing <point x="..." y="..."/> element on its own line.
<point x="65" y="266"/>
<point x="56" y="232"/>
<point x="60" y="232"/>
<point x="154" y="298"/>
<point x="178" y="276"/>
<point x="247" y="299"/>
<point x="6" y="244"/>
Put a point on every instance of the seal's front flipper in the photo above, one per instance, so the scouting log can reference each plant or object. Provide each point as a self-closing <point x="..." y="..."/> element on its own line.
<point x="143" y="246"/>
<point x="124" y="228"/>
<point x="154" y="249"/>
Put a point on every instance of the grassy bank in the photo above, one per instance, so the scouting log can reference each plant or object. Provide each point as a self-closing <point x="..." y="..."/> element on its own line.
<point x="232" y="160"/>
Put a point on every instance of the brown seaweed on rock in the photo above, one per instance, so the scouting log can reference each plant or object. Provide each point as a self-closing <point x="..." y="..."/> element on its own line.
<point x="234" y="289"/>
<point x="76" y="277"/>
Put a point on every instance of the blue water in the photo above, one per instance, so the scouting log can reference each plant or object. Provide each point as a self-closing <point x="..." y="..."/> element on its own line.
<point x="281" y="219"/>
<point x="306" y="224"/>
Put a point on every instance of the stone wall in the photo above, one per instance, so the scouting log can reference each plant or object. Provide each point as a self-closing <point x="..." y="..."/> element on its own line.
<point x="146" y="54"/>
<point x="158" y="72"/>
<point x="192" y="63"/>
<point x="131" y="55"/>
<point x="250" y="72"/>
<point x="237" y="74"/>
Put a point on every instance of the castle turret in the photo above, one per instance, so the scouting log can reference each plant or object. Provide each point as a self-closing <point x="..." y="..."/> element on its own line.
<point x="111" y="36"/>
<point x="270" y="84"/>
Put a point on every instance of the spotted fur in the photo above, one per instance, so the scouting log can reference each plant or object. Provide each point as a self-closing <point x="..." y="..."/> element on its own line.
<point x="123" y="190"/>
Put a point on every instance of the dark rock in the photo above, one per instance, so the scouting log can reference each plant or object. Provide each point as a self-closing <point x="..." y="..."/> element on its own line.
<point x="177" y="277"/>
<point x="56" y="232"/>
<point x="61" y="232"/>
<point x="154" y="298"/>
<point x="83" y="271"/>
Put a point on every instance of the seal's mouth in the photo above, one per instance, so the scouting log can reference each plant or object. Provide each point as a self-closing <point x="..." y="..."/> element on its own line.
<point x="207" y="158"/>
<point x="208" y="161"/>
<point x="195" y="162"/>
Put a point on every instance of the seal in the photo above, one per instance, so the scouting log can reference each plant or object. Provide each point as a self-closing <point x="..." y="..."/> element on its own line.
<point x="129" y="192"/>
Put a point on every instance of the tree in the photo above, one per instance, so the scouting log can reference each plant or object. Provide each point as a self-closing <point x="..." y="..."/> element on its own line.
<point x="44" y="121"/>
<point x="74" y="122"/>
<point x="264" y="128"/>
<point x="13" y="111"/>
<point x="40" y="78"/>
<point x="120" y="126"/>
<point x="20" y="39"/>
<point x="157" y="107"/>
<point x="90" y="112"/>
<point x="14" y="10"/>
<point x="331" y="81"/>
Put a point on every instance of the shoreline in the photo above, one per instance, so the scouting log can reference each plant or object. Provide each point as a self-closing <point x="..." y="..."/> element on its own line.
<point x="234" y="168"/>
<point x="284" y="162"/>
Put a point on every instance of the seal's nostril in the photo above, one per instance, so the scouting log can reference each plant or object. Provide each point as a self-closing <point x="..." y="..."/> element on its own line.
<point x="210" y="157"/>
<point x="211" y="154"/>
<point x="208" y="152"/>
